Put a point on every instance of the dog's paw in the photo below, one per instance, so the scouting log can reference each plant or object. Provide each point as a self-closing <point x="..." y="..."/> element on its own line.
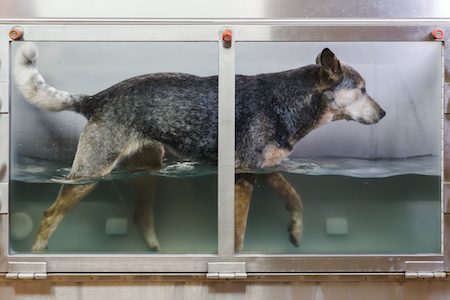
<point x="153" y="245"/>
<point x="155" y="248"/>
<point x="296" y="231"/>
<point x="151" y="239"/>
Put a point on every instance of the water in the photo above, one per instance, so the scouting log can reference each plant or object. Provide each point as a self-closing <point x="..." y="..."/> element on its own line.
<point x="185" y="217"/>
<point x="34" y="170"/>
<point x="396" y="214"/>
<point x="390" y="206"/>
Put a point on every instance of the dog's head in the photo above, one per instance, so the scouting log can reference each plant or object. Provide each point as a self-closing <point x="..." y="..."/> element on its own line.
<point x="345" y="91"/>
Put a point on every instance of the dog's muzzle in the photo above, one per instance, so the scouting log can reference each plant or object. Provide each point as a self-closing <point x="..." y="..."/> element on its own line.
<point x="375" y="119"/>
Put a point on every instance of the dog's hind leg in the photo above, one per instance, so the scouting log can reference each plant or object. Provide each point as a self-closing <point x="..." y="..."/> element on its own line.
<point x="99" y="149"/>
<point x="145" y="187"/>
<point x="277" y="182"/>
<point x="68" y="198"/>
<point x="242" y="194"/>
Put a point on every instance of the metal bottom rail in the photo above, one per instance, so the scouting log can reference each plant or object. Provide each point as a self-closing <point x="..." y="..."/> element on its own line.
<point x="139" y="278"/>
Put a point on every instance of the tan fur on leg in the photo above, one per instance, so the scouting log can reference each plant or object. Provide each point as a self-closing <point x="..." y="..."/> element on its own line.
<point x="68" y="198"/>
<point x="243" y="192"/>
<point x="143" y="213"/>
<point x="145" y="186"/>
<point x="277" y="182"/>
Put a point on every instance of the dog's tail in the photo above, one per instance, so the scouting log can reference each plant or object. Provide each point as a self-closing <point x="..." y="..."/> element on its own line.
<point x="33" y="86"/>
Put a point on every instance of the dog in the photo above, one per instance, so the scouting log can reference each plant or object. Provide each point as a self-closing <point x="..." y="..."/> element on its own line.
<point x="134" y="121"/>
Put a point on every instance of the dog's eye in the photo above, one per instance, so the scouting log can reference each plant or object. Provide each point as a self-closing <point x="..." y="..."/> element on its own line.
<point x="363" y="90"/>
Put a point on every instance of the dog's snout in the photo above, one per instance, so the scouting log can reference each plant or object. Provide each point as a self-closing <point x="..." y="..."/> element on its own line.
<point x="382" y="114"/>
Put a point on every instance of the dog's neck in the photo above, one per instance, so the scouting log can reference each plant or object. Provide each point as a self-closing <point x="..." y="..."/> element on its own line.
<point x="311" y="115"/>
<point x="305" y="102"/>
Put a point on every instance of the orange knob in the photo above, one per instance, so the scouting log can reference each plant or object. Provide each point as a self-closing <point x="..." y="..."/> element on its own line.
<point x="226" y="35"/>
<point x="438" y="33"/>
<point x="15" y="34"/>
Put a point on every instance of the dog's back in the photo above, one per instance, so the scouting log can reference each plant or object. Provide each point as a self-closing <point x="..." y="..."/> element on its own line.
<point x="179" y="110"/>
<point x="273" y="111"/>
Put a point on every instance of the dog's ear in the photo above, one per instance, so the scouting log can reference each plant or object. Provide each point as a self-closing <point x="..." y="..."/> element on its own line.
<point x="318" y="58"/>
<point x="330" y="66"/>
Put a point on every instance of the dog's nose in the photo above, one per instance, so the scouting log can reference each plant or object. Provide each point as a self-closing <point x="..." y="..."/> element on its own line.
<point x="382" y="114"/>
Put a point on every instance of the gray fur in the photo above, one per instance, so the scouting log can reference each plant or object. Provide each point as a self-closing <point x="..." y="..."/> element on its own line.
<point x="273" y="112"/>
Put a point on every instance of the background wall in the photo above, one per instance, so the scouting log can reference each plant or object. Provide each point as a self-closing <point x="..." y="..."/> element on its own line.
<point x="224" y="9"/>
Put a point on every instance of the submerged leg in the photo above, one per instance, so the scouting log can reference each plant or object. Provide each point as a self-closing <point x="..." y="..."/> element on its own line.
<point x="243" y="192"/>
<point x="277" y="182"/>
<point x="68" y="198"/>
<point x="97" y="154"/>
<point x="143" y="214"/>
<point x="145" y="187"/>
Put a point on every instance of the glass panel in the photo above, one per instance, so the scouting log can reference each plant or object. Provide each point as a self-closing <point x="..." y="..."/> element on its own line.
<point x="373" y="187"/>
<point x="148" y="113"/>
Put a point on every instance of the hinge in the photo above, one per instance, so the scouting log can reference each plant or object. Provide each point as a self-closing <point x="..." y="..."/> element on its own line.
<point x="27" y="270"/>
<point x="425" y="269"/>
<point x="226" y="270"/>
<point x="435" y="274"/>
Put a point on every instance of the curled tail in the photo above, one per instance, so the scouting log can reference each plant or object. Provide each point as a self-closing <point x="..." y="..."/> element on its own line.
<point x="33" y="86"/>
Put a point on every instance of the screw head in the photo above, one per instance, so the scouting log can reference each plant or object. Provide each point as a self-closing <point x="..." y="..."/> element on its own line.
<point x="227" y="35"/>
<point x="15" y="34"/>
<point x="438" y="33"/>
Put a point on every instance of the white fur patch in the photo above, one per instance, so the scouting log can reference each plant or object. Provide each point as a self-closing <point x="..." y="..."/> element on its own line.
<point x="352" y="105"/>
<point x="33" y="86"/>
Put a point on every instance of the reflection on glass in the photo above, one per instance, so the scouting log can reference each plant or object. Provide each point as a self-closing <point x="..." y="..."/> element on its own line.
<point x="363" y="189"/>
<point x="140" y="206"/>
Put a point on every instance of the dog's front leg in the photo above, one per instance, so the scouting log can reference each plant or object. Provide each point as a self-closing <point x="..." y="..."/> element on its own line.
<point x="68" y="198"/>
<point x="143" y="213"/>
<point x="242" y="194"/>
<point x="277" y="182"/>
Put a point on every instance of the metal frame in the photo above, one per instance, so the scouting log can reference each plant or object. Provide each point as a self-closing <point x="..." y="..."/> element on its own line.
<point x="210" y="30"/>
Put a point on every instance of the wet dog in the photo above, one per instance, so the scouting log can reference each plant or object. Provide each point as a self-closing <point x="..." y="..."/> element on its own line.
<point x="133" y="121"/>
